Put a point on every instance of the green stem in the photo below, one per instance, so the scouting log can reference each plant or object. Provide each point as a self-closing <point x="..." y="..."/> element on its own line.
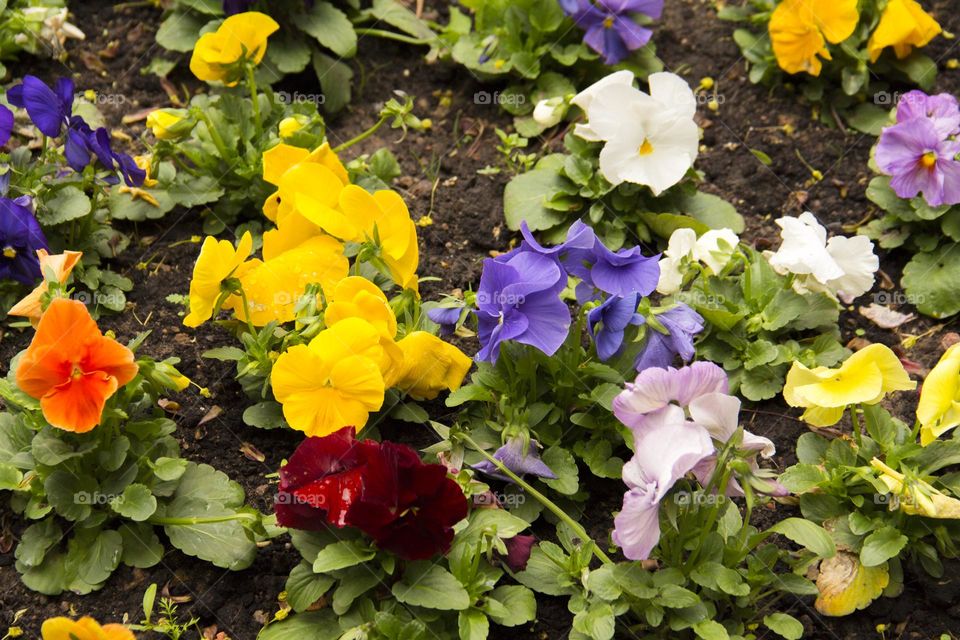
<point x="252" y="84"/>
<point x="215" y="136"/>
<point x="390" y="35"/>
<point x="363" y="136"/>
<point x="185" y="522"/>
<point x="246" y="312"/>
<point x="542" y="499"/>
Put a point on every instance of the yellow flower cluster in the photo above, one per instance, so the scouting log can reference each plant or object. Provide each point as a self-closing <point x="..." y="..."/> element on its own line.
<point x="85" y="628"/>
<point x="801" y="29"/>
<point x="342" y="374"/>
<point x="240" y="40"/>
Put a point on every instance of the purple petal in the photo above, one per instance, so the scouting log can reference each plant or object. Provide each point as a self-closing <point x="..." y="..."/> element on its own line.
<point x="632" y="34"/>
<point x="549" y="322"/>
<point x="43" y="106"/>
<point x="6" y="124"/>
<point x="655" y="388"/>
<point x="637" y="526"/>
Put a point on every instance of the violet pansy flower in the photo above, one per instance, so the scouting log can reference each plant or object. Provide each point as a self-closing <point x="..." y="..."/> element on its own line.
<point x="656" y="388"/>
<point x="608" y="323"/>
<point x="666" y="450"/>
<point x="519" y="300"/>
<point x="20" y="238"/>
<point x="446" y="317"/>
<point x="942" y="109"/>
<point x="682" y="324"/>
<point x="520" y="456"/>
<point x="609" y="25"/>
<point x="920" y="160"/>
<point x="6" y="124"/>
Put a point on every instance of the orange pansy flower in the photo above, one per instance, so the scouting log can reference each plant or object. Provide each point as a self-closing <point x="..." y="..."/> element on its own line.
<point x="72" y="368"/>
<point x="60" y="264"/>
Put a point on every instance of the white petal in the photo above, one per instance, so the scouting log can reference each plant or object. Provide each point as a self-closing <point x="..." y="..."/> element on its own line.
<point x="618" y="110"/>
<point x="585" y="97"/>
<point x="715" y="247"/>
<point x="718" y="413"/>
<point x="670" y="276"/>
<point x="674" y="92"/>
<point x="856" y="258"/>
<point x="804" y="249"/>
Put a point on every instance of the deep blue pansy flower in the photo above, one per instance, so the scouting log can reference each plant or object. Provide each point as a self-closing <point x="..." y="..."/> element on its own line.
<point x="609" y="26"/>
<point x="682" y="324"/>
<point x="446" y="317"/>
<point x="608" y="323"/>
<point x="20" y="237"/>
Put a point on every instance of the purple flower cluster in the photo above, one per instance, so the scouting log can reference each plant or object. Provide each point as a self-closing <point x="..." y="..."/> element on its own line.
<point x="519" y="299"/>
<point x="678" y="417"/>
<point x="920" y="151"/>
<point x="609" y="25"/>
<point x="51" y="110"/>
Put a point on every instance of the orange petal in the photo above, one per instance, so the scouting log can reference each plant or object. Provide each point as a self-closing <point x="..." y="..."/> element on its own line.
<point x="77" y="405"/>
<point x="62" y="334"/>
<point x="112" y="358"/>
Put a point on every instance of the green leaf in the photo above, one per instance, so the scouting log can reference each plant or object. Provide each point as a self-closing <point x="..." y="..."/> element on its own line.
<point x="543" y="575"/>
<point x="36" y="540"/>
<point x="784" y="625"/>
<point x="288" y="53"/>
<point x="264" y="415"/>
<point x="882" y="545"/>
<point x="473" y="625"/>
<point x="341" y="555"/>
<point x="713" y="211"/>
<point x="526" y="195"/>
<point x="225" y="544"/>
<point x="597" y="621"/>
<point x="354" y="582"/>
<point x="430" y="586"/>
<point x="180" y="31"/>
<point x="225" y="354"/>
<point x="334" y="77"/>
<point x="141" y="546"/>
<point x="136" y="502"/>
<point x="397" y="15"/>
<point x="519" y="602"/>
<point x="868" y="118"/>
<point x="710" y="630"/>
<point x="564" y="465"/>
<point x="676" y="597"/>
<point x="68" y="203"/>
<point x="95" y="556"/>
<point x="801" y="478"/>
<point x="304" y="587"/>
<point x="169" y="469"/>
<point x="315" y="625"/>
<point x="204" y="483"/>
<point x="806" y="534"/>
<point x="930" y="280"/>
<point x="331" y="27"/>
<point x="10" y="477"/>
<point x="410" y="412"/>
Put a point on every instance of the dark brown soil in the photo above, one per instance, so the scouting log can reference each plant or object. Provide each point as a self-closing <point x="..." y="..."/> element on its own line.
<point x="440" y="179"/>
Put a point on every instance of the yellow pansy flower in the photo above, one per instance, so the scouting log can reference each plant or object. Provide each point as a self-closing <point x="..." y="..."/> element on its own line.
<point x="169" y="124"/>
<point x="845" y="585"/>
<point x="85" y="628"/>
<point x="333" y="382"/>
<point x="58" y="264"/>
<point x="865" y="377"/>
<point x="292" y="231"/>
<point x="304" y="179"/>
<point x="218" y="261"/>
<point x="240" y="38"/>
<point x="916" y="497"/>
<point x="383" y="217"/>
<point x="274" y="286"/>
<point x="903" y="26"/>
<point x="430" y="365"/>
<point x="290" y="125"/>
<point x="800" y="29"/>
<point x="939" y="407"/>
<point x="357" y="297"/>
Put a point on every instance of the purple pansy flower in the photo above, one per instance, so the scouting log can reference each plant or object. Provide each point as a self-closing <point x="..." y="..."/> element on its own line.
<point x="519" y="300"/>
<point x="520" y="456"/>
<point x="656" y="388"/>
<point x="584" y="256"/>
<point x="20" y="237"/>
<point x="942" y="109"/>
<point x="613" y="317"/>
<point x="920" y="160"/>
<point x="519" y="548"/>
<point x="49" y="109"/>
<point x="666" y="450"/>
<point x="446" y="317"/>
<point x="682" y="324"/>
<point x="6" y="124"/>
<point x="610" y="29"/>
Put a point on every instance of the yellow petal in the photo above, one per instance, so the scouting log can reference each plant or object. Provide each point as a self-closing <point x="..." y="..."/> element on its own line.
<point x="357" y="297"/>
<point x="217" y="261"/>
<point x="430" y="365"/>
<point x="280" y="159"/>
<point x="796" y="40"/>
<point x="903" y="25"/>
<point x="938" y="410"/>
<point x="846" y="586"/>
<point x="292" y="231"/>
<point x="836" y="19"/>
<point x="844" y="387"/>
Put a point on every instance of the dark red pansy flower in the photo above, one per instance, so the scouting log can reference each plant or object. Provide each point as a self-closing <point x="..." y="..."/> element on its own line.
<point x="518" y="551"/>
<point x="383" y="489"/>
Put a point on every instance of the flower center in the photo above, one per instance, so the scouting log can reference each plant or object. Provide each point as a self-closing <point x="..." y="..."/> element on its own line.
<point x="646" y="148"/>
<point x="608" y="22"/>
<point x="77" y="372"/>
<point x="9" y="252"/>
<point x="928" y="160"/>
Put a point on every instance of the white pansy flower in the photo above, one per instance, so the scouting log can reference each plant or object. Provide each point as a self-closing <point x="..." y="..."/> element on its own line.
<point x="585" y="98"/>
<point x="844" y="266"/>
<point x="54" y="29"/>
<point x="548" y="113"/>
<point x="715" y="248"/>
<point x="681" y="246"/>
<point x="651" y="139"/>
